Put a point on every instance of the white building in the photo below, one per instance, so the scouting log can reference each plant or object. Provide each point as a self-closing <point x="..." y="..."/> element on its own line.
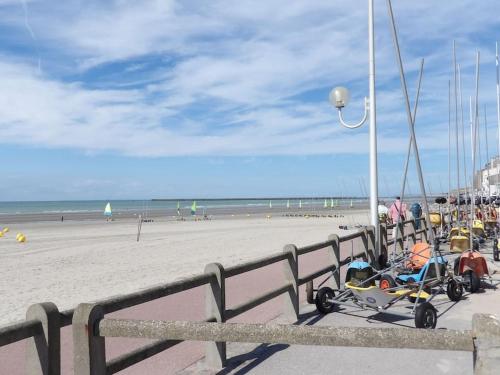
<point x="489" y="178"/>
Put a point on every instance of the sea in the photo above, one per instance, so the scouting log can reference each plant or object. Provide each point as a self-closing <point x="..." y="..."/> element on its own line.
<point x="158" y="205"/>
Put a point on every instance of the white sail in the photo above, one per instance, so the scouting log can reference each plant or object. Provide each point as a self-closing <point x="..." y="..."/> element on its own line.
<point x="107" y="210"/>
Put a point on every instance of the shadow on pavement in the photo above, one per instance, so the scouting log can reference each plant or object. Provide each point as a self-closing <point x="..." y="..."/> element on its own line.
<point x="256" y="356"/>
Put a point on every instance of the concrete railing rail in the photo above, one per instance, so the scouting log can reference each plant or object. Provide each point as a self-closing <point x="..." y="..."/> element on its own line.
<point x="483" y="340"/>
<point x="41" y="317"/>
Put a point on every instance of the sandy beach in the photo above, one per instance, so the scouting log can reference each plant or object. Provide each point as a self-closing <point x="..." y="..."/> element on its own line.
<point x="84" y="260"/>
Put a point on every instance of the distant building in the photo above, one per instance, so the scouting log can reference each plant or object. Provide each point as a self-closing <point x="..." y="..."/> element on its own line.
<point x="488" y="178"/>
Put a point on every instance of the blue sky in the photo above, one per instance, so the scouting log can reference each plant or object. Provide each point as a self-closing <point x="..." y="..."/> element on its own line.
<point x="145" y="99"/>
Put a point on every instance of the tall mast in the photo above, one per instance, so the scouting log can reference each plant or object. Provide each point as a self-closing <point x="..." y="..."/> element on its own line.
<point x="463" y="129"/>
<point x="456" y="127"/>
<point x="449" y="145"/>
<point x="498" y="113"/>
<point x="476" y="115"/>
<point x="487" y="153"/>
<point x="498" y="108"/>
<point x="472" y="140"/>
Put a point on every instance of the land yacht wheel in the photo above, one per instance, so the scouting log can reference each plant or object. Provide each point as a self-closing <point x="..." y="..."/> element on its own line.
<point x="323" y="303"/>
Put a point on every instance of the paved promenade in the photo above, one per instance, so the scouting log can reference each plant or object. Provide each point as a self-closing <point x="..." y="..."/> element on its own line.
<point x="311" y="360"/>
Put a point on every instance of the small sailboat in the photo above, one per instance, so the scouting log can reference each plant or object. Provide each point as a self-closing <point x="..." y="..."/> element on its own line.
<point x="193" y="208"/>
<point x="270" y="204"/>
<point x="288" y="204"/>
<point x="107" y="210"/>
<point x="178" y="208"/>
<point x="325" y="205"/>
<point x="300" y="203"/>
<point x="331" y="202"/>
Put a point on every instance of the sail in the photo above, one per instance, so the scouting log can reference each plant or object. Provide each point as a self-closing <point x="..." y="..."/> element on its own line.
<point x="193" y="208"/>
<point x="107" y="210"/>
<point x="300" y="203"/>
<point x="351" y="203"/>
<point x="270" y="204"/>
<point x="325" y="205"/>
<point x="288" y="203"/>
<point x="178" y="208"/>
<point x="331" y="202"/>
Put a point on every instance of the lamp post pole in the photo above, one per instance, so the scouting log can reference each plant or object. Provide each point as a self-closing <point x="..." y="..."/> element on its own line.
<point x="373" y="127"/>
<point x="339" y="97"/>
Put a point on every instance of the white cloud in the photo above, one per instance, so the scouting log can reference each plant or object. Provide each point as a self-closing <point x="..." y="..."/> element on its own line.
<point x="237" y="78"/>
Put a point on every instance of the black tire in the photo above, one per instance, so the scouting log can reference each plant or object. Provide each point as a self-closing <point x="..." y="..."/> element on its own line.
<point x="472" y="282"/>
<point x="414" y="299"/>
<point x="321" y="302"/>
<point x="386" y="282"/>
<point x="454" y="290"/>
<point x="425" y="316"/>
<point x="382" y="261"/>
<point x="456" y="263"/>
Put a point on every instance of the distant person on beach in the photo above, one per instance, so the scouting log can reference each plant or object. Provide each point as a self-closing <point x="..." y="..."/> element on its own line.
<point x="397" y="211"/>
<point x="62" y="218"/>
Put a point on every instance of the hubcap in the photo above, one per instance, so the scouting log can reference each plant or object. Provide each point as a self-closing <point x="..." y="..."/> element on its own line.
<point x="429" y="319"/>
<point x="326" y="303"/>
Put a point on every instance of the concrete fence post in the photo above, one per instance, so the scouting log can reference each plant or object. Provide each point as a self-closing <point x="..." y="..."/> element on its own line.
<point x="43" y="351"/>
<point x="412" y="234"/>
<point x="310" y="292"/>
<point x="486" y="334"/>
<point x="424" y="225"/>
<point x="334" y="254"/>
<point x="291" y="271"/>
<point x="89" y="356"/>
<point x="401" y="237"/>
<point x="370" y="249"/>
<point x="215" y="306"/>
<point x="364" y="239"/>
<point x="383" y="242"/>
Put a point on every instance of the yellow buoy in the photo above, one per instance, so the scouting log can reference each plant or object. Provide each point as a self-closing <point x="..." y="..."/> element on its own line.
<point x="1" y="234"/>
<point x="18" y="235"/>
<point x="5" y="230"/>
<point x="21" y="238"/>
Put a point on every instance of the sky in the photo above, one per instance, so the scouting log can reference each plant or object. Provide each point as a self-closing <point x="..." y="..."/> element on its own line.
<point x="147" y="99"/>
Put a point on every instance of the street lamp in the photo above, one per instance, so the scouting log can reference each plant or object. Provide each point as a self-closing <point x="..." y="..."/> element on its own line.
<point x="339" y="97"/>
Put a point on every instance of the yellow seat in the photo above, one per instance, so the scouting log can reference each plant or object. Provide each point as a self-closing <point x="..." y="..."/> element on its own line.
<point x="478" y="228"/>
<point x="376" y="297"/>
<point x="435" y="218"/>
<point x="462" y="231"/>
<point x="459" y="244"/>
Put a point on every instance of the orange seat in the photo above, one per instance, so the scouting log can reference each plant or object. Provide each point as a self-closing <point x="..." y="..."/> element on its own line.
<point x="473" y="261"/>
<point x="419" y="255"/>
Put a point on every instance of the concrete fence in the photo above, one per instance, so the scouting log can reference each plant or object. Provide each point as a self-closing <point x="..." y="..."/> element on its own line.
<point x="44" y="321"/>
<point x="483" y="340"/>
